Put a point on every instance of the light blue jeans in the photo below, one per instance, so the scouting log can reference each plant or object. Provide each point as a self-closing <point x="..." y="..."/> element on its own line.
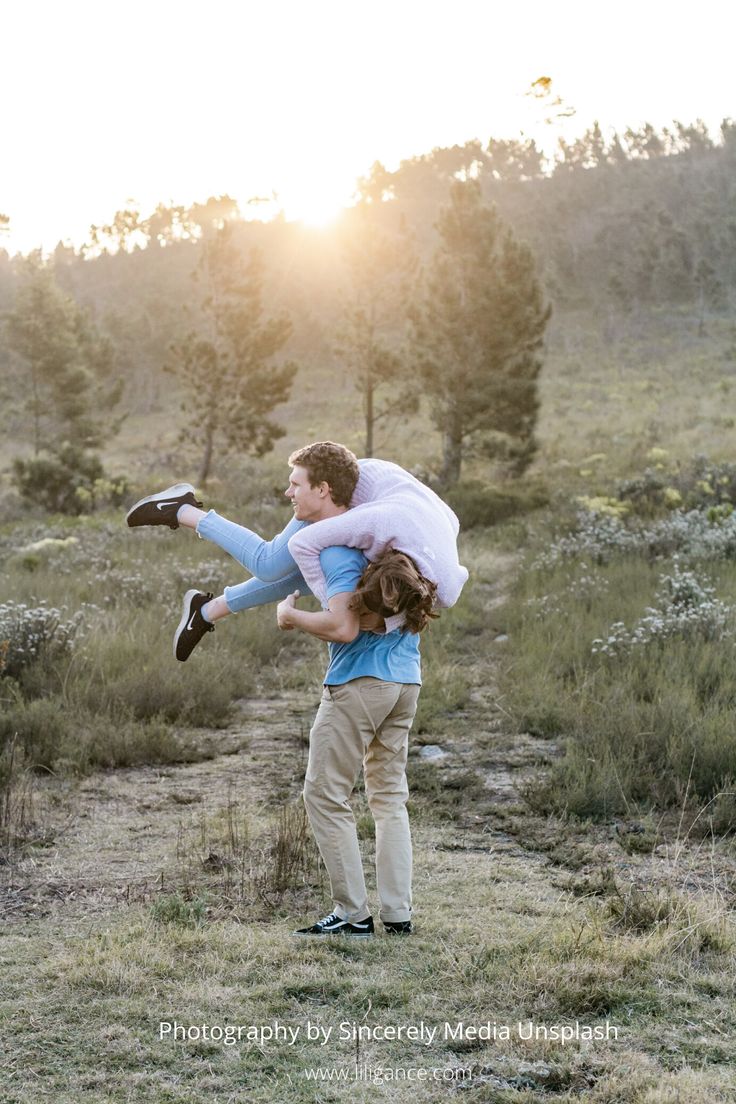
<point x="273" y="566"/>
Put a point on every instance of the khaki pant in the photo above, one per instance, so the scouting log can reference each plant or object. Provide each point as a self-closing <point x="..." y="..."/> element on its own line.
<point x="365" y="721"/>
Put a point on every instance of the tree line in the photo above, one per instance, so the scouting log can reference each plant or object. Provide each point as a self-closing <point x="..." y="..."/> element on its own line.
<point x="473" y="322"/>
<point x="435" y="286"/>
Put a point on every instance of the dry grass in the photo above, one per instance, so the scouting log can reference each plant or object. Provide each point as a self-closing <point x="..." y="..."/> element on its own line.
<point x="529" y="953"/>
<point x="217" y="879"/>
<point x="173" y="892"/>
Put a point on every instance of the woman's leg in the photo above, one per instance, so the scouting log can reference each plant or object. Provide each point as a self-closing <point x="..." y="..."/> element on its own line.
<point x="251" y="593"/>
<point x="268" y="560"/>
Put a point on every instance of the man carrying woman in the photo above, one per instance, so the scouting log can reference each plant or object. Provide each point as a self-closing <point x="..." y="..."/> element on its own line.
<point x="373" y="678"/>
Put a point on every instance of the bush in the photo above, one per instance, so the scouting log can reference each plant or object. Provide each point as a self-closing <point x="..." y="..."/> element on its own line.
<point x="27" y="633"/>
<point x="601" y="535"/>
<point x="48" y="738"/>
<point x="701" y="485"/>
<point x="67" y="480"/>
<point x="41" y="728"/>
<point x="687" y="608"/>
<point x="644" y="712"/>
<point x="16" y="801"/>
<point x="481" y="504"/>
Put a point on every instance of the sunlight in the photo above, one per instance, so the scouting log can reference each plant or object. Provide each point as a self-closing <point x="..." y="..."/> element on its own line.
<point x="316" y="203"/>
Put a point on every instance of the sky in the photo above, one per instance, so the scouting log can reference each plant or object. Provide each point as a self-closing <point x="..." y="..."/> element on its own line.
<point x="106" y="102"/>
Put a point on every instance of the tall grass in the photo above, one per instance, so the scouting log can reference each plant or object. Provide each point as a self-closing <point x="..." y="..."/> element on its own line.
<point x="237" y="860"/>
<point x="651" y="723"/>
<point x="114" y="695"/>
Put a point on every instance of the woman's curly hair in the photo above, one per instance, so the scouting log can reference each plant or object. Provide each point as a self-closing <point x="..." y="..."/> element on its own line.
<point x="392" y="584"/>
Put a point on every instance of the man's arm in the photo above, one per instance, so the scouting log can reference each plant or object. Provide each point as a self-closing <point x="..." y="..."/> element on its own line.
<point x="337" y="624"/>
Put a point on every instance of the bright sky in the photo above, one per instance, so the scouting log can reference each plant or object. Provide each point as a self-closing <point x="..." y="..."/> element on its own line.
<point x="182" y="99"/>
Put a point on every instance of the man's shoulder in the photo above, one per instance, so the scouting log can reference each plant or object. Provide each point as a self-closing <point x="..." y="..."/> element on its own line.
<point x="342" y="567"/>
<point x="339" y="556"/>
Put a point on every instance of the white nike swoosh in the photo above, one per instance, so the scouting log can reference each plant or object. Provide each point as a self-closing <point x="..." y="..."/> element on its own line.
<point x="191" y="620"/>
<point x="160" y="505"/>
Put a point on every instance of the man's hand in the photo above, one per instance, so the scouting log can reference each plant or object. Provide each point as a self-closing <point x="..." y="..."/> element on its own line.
<point x="372" y="622"/>
<point x="284" y="611"/>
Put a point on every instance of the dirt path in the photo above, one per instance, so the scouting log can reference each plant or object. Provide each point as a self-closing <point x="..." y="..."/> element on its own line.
<point x="113" y="835"/>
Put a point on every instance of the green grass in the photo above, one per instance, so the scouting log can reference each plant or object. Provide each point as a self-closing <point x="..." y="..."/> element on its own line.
<point x="522" y="912"/>
<point x="206" y="939"/>
<point x="652" y="727"/>
<point x="118" y="696"/>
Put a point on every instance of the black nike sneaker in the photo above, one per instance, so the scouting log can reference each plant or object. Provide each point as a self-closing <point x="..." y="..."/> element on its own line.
<point x="161" y="508"/>
<point x="335" y="925"/>
<point x="397" y="927"/>
<point x="192" y="626"/>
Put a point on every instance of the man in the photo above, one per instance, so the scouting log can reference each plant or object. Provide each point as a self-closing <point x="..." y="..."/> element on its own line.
<point x="368" y="704"/>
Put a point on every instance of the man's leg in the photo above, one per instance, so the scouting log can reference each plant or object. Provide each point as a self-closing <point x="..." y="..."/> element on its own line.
<point x="342" y="730"/>
<point x="387" y="792"/>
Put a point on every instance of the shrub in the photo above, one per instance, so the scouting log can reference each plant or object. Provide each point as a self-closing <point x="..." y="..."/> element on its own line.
<point x="601" y="537"/>
<point x="41" y="728"/>
<point x="647" y="493"/>
<point x="16" y="800"/>
<point x="99" y="741"/>
<point x="67" y="480"/>
<point x="27" y="633"/>
<point x="481" y="504"/>
<point x="701" y="485"/>
<point x="47" y="736"/>
<point x="658" y="722"/>
<point x="687" y="608"/>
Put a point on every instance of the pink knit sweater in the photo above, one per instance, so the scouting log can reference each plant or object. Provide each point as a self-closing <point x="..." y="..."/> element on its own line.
<point x="390" y="509"/>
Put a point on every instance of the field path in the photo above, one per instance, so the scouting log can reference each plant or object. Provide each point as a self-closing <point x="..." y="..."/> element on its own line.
<point x="115" y="837"/>
<point x="113" y="834"/>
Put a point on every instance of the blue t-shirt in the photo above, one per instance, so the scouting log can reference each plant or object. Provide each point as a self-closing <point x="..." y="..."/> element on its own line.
<point x="393" y="657"/>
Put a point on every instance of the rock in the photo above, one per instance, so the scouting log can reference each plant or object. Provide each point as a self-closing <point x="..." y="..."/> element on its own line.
<point x="432" y="751"/>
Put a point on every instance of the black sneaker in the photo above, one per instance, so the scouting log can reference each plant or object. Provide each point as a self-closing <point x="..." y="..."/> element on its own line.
<point x="397" y="927"/>
<point x="192" y="626"/>
<point x="161" y="508"/>
<point x="335" y="925"/>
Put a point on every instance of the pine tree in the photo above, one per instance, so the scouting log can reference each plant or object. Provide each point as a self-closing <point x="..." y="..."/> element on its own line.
<point x="63" y="381"/>
<point x="477" y="333"/>
<point x="226" y="368"/>
<point x="379" y="266"/>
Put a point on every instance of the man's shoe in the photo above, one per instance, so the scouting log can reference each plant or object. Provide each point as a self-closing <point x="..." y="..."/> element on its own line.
<point x="397" y="927"/>
<point x="335" y="925"/>
<point x="192" y="626"/>
<point x="161" y="508"/>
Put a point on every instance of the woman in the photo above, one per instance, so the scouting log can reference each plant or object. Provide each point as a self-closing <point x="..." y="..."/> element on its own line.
<point x="389" y="510"/>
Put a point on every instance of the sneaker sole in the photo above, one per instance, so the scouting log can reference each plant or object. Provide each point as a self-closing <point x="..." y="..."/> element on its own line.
<point x="184" y="618"/>
<point x="329" y="935"/>
<point x="170" y="492"/>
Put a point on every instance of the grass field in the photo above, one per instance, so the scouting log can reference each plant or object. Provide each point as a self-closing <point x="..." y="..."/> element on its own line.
<point x="154" y="853"/>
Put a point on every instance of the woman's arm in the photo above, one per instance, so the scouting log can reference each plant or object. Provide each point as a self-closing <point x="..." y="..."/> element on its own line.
<point x="366" y="527"/>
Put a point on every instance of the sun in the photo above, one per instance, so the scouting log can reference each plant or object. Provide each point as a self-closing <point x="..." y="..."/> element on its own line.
<point x="316" y="203"/>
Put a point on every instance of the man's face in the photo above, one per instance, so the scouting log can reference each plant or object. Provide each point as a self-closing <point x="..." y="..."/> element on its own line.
<point x="309" y="502"/>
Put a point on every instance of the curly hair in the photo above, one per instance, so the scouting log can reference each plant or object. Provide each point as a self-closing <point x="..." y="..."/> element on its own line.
<point x="393" y="584"/>
<point x="327" y="462"/>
